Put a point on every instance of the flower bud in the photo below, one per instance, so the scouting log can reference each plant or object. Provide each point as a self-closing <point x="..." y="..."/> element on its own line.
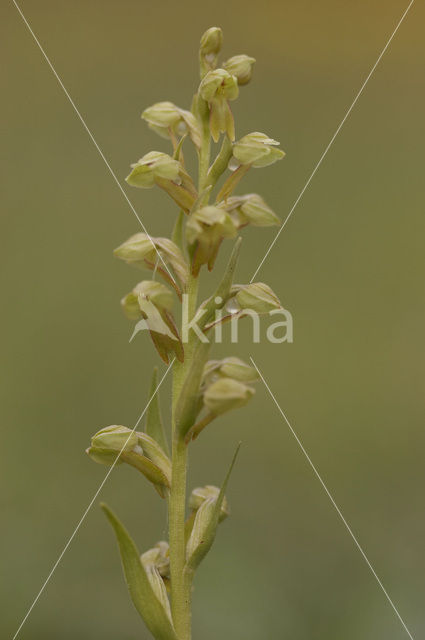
<point x="238" y="370"/>
<point x="130" y="306"/>
<point x="165" y="118"/>
<point x="250" y="209"/>
<point x="209" y="492"/>
<point x="152" y="560"/>
<point x="160" y="295"/>
<point x="258" y="297"/>
<point x="257" y="149"/>
<point x="226" y="394"/>
<point x="211" y="41"/>
<point x="107" y="443"/>
<point x="153" y="165"/>
<point x="241" y="67"/>
<point x="142" y="251"/>
<point x="217" y="88"/>
<point x="134" y="448"/>
<point x="210" y="46"/>
<point x="162" y="115"/>
<point x="205" y="230"/>
<point x="231" y="367"/>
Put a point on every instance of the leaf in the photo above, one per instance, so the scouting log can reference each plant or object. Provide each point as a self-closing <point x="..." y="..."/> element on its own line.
<point x="221" y="162"/>
<point x="232" y="181"/>
<point x="150" y="470"/>
<point x="188" y="406"/>
<point x="141" y="592"/>
<point x="206" y="522"/>
<point x="224" y="287"/>
<point x="154" y="425"/>
<point x="180" y="194"/>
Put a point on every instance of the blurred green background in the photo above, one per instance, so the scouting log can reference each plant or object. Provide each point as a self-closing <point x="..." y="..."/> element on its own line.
<point x="349" y="265"/>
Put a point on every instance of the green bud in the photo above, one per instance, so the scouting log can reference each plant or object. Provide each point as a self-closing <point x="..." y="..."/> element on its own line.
<point x="136" y="249"/>
<point x="257" y="149"/>
<point x="160" y="295"/>
<point x="258" y="297"/>
<point x="130" y="306"/>
<point x="142" y="251"/>
<point x="231" y="367"/>
<point x="209" y="492"/>
<point x="152" y="560"/>
<point x="136" y="449"/>
<point x="164" y="115"/>
<point x="153" y="165"/>
<point x="165" y="118"/>
<point x="205" y="231"/>
<point x="114" y="439"/>
<point x="211" y="41"/>
<point x="226" y="394"/>
<point x="210" y="46"/>
<point x="238" y="370"/>
<point x="250" y="209"/>
<point x="241" y="67"/>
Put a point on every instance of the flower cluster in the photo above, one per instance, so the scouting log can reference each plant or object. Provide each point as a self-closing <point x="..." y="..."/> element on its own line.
<point x="209" y="211"/>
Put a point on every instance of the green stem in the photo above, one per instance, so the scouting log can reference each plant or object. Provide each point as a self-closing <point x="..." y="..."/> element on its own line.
<point x="181" y="581"/>
<point x="180" y="594"/>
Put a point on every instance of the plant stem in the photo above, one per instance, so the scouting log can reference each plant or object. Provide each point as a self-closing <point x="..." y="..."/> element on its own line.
<point x="180" y="595"/>
<point x="181" y="582"/>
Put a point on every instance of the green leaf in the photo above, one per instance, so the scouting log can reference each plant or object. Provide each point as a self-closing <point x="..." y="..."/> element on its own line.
<point x="223" y="290"/>
<point x="221" y="162"/>
<point x="189" y="402"/>
<point x="154" y="425"/>
<point x="206" y="522"/>
<point x="139" y="586"/>
<point x="232" y="182"/>
<point x="180" y="194"/>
